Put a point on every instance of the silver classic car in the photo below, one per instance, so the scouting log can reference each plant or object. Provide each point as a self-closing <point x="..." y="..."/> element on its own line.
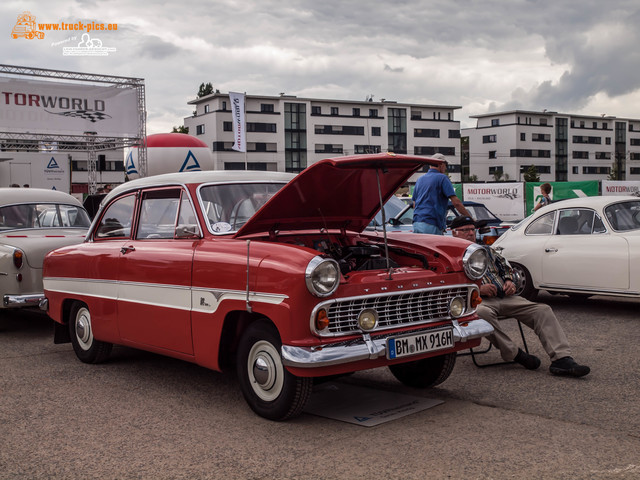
<point x="33" y="222"/>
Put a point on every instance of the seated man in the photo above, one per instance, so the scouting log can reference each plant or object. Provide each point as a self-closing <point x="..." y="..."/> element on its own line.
<point x="498" y="299"/>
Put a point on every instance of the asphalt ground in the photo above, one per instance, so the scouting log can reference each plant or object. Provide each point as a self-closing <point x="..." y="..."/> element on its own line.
<point x="142" y="415"/>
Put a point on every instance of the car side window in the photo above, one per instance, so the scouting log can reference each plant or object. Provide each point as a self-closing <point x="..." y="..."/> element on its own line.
<point x="158" y="214"/>
<point x="187" y="226"/>
<point x="117" y="218"/>
<point x="542" y="225"/>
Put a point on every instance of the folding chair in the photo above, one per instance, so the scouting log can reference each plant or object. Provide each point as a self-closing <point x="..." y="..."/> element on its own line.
<point x="486" y="350"/>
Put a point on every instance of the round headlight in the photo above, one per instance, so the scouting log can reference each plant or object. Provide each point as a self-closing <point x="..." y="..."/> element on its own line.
<point x="475" y="261"/>
<point x="368" y="319"/>
<point x="322" y="276"/>
<point x="456" y="307"/>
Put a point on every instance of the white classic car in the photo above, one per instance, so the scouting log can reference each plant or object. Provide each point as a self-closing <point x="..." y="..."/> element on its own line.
<point x="581" y="247"/>
<point x="33" y="222"/>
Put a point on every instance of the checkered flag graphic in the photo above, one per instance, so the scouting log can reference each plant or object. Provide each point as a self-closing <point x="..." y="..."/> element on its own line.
<point x="90" y="115"/>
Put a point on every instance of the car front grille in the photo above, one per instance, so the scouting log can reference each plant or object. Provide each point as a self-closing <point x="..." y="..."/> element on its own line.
<point x="394" y="309"/>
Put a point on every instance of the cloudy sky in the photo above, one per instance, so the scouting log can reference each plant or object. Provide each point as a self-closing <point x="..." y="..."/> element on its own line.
<point x="483" y="55"/>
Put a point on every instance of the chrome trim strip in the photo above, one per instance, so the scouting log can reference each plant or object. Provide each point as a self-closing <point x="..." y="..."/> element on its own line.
<point x="366" y="348"/>
<point x="601" y="291"/>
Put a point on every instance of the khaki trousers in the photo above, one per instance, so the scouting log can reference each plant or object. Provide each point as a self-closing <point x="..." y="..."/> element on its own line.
<point x="537" y="316"/>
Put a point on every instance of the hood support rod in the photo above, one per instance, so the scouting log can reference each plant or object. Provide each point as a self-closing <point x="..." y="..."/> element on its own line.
<point x="384" y="226"/>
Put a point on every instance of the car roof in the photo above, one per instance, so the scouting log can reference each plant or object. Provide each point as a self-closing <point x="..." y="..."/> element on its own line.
<point x="592" y="202"/>
<point x="12" y="195"/>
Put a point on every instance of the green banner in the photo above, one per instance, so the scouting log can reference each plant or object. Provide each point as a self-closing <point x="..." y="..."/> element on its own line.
<point x="559" y="191"/>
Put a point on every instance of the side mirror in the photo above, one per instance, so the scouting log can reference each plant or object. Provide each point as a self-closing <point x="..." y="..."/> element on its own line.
<point x="187" y="231"/>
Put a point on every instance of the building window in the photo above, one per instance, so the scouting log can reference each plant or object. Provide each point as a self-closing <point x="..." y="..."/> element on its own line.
<point x="607" y="141"/>
<point x="334" y="111"/>
<point x="596" y="170"/>
<point x="426" y="132"/>
<point x="267" y="108"/>
<point x="581" y="155"/>
<point x="447" y="151"/>
<point x="328" y="148"/>
<point x="361" y="149"/>
<point x="206" y="108"/>
<point x="338" y="130"/>
<point x="526" y="152"/>
<point x="634" y="141"/>
<point x="373" y="112"/>
<point x="523" y="136"/>
<point x="316" y="110"/>
<point x="495" y="122"/>
<point x="416" y="115"/>
<point x="261" y="127"/>
<point x="494" y="170"/>
<point x="540" y="137"/>
<point x="224" y="106"/>
<point x="222" y="147"/>
<point x="539" y="168"/>
<point x="493" y="154"/>
<point x="634" y="171"/>
<point x="595" y="125"/>
<point x="262" y="147"/>
<point x="543" y="122"/>
<point x="376" y="131"/>
<point x="634" y="156"/>
<point x="489" y="139"/>
<point x="200" y="129"/>
<point x="356" y="112"/>
<point x="259" y="166"/>
<point x="576" y="170"/>
<point x="603" y="155"/>
<point x="454" y="133"/>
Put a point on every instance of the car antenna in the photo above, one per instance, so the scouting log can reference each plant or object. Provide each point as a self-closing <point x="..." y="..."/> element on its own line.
<point x="384" y="226"/>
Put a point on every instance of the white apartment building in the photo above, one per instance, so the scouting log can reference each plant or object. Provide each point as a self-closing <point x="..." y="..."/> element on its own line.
<point x="287" y="133"/>
<point x="563" y="147"/>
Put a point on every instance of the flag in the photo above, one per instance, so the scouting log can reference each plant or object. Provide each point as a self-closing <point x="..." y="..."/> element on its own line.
<point x="239" y="132"/>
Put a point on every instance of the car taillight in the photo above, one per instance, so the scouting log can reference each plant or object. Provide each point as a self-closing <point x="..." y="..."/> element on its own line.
<point x="18" y="257"/>
<point x="488" y="240"/>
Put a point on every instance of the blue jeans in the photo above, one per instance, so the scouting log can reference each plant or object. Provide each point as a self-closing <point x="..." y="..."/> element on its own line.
<point x="423" y="227"/>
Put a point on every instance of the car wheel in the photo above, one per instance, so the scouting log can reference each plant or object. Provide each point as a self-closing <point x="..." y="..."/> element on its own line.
<point x="87" y="348"/>
<point x="269" y="389"/>
<point x="425" y="373"/>
<point x="523" y="282"/>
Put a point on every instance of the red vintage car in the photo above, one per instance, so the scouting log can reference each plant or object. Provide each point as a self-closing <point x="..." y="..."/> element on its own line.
<point x="272" y="274"/>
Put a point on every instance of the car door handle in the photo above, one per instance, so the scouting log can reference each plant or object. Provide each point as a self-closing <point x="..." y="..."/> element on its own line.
<point x="548" y="250"/>
<point x="130" y="248"/>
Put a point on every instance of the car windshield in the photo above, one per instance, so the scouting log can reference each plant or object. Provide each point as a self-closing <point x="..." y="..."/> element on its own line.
<point x="396" y="212"/>
<point x="227" y="207"/>
<point x="624" y="216"/>
<point x="43" y="215"/>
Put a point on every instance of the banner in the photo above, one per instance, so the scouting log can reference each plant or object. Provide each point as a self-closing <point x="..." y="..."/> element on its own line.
<point x="67" y="109"/>
<point x="237" y="110"/>
<point x="560" y="191"/>
<point x="619" y="187"/>
<point x="505" y="200"/>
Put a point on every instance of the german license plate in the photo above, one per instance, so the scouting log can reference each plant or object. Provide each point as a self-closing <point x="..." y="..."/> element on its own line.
<point x="404" y="346"/>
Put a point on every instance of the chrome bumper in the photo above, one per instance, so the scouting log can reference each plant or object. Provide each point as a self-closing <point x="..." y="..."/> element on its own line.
<point x="32" y="300"/>
<point x="367" y="348"/>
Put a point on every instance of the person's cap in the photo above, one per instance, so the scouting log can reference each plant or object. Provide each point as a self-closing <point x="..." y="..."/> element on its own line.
<point x="461" y="221"/>
<point x="439" y="156"/>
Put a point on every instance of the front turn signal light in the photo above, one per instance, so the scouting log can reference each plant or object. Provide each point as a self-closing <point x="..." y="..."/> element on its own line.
<point x="475" y="298"/>
<point x="322" y="320"/>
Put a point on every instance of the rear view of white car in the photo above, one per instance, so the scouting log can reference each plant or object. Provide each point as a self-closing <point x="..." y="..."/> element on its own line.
<point x="32" y="223"/>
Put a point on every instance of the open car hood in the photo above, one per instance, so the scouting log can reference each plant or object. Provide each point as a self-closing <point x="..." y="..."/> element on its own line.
<point x="336" y="193"/>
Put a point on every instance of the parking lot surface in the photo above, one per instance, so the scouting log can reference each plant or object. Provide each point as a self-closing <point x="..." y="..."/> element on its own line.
<point x="142" y="415"/>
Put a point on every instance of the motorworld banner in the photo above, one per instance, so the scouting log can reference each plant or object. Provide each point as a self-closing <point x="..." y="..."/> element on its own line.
<point x="620" y="187"/>
<point x="505" y="200"/>
<point x="560" y="191"/>
<point x="67" y="109"/>
<point x="237" y="109"/>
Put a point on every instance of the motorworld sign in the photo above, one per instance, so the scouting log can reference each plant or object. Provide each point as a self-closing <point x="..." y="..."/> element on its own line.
<point x="64" y="109"/>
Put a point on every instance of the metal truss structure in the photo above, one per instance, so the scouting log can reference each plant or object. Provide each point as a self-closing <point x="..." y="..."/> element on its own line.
<point x="86" y="141"/>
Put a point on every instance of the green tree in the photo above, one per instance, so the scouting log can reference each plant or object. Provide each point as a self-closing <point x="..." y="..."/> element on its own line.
<point x="205" y="89"/>
<point x="180" y="129"/>
<point x="531" y="175"/>
<point x="613" y="173"/>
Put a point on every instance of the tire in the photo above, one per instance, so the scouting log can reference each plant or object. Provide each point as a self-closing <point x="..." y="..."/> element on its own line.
<point x="87" y="348"/>
<point x="269" y="389"/>
<point x="524" y="284"/>
<point x="425" y="373"/>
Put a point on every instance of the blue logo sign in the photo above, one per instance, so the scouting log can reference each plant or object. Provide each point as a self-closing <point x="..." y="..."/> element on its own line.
<point x="129" y="167"/>
<point x="190" y="166"/>
<point x="53" y="164"/>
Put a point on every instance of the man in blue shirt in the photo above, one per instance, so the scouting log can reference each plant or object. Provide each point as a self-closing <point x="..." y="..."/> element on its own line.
<point x="431" y="197"/>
